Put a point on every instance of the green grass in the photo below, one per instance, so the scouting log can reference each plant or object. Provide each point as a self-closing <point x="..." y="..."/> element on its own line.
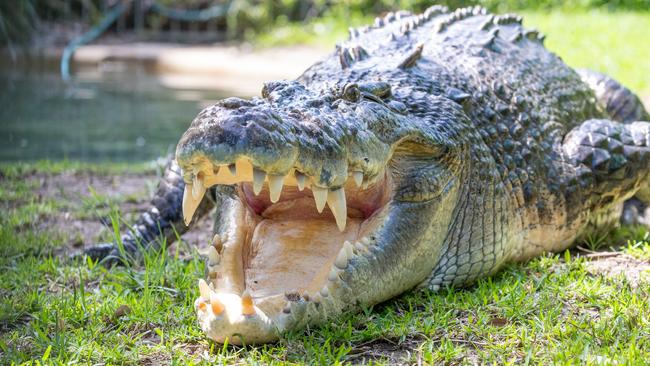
<point x="551" y="310"/>
<point x="57" y="310"/>
<point x="615" y="43"/>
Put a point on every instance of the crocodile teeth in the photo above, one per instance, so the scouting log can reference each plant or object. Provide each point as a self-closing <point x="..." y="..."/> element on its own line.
<point x="202" y="306"/>
<point x="325" y="292"/>
<point x="334" y="274"/>
<point x="189" y="204"/>
<point x="336" y="202"/>
<point x="247" y="304"/>
<point x="358" y="178"/>
<point x="341" y="261"/>
<point x="317" y="298"/>
<point x="275" y="187"/>
<point x="217" y="243"/>
<point x="216" y="305"/>
<point x="232" y="168"/>
<point x="213" y="256"/>
<point x="349" y="249"/>
<point x="320" y="196"/>
<point x="258" y="180"/>
<point x="204" y="289"/>
<point x="301" y="179"/>
<point x="198" y="189"/>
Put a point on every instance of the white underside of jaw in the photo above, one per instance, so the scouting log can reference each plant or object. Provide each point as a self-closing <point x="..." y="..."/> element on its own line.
<point x="231" y="302"/>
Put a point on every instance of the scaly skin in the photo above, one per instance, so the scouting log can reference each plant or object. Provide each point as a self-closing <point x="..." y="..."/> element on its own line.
<point x="476" y="146"/>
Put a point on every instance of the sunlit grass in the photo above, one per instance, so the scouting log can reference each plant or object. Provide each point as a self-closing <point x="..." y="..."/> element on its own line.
<point x="614" y="43"/>
<point x="58" y="310"/>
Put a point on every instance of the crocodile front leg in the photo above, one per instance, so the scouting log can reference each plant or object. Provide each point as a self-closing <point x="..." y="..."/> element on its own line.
<point x="159" y="224"/>
<point x="611" y="162"/>
<point x="622" y="105"/>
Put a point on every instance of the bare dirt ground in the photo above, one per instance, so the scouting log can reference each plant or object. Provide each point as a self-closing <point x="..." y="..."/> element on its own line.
<point x="84" y="219"/>
<point x="619" y="265"/>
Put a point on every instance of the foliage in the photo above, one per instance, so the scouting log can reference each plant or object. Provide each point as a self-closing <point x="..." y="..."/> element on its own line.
<point x="21" y="18"/>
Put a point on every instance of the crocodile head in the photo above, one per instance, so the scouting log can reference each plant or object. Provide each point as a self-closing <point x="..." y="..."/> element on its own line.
<point x="336" y="198"/>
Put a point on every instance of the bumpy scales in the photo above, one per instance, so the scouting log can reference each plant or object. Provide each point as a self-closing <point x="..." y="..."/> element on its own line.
<point x="427" y="150"/>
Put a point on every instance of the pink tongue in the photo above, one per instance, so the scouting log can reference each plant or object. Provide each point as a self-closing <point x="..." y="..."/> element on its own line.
<point x="289" y="255"/>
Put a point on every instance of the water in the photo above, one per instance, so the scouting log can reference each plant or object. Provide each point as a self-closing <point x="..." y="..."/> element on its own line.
<point x="120" y="115"/>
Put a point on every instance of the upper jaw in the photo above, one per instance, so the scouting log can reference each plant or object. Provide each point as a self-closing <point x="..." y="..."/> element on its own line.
<point x="323" y="144"/>
<point x="238" y="141"/>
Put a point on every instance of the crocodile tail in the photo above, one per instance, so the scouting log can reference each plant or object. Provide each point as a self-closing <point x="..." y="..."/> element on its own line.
<point x="619" y="102"/>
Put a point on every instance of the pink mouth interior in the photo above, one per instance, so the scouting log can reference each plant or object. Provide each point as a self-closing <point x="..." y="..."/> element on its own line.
<point x="290" y="247"/>
<point x="361" y="203"/>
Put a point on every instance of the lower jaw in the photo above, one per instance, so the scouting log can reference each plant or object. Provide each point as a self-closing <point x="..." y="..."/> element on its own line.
<point x="280" y="263"/>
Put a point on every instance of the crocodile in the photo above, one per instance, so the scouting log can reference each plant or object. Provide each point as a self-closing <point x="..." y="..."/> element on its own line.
<point x="426" y="151"/>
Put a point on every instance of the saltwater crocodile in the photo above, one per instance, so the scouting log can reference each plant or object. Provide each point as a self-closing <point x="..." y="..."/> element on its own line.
<point x="426" y="151"/>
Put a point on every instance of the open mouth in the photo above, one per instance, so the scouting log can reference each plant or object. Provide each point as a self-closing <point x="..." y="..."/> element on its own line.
<point x="282" y="241"/>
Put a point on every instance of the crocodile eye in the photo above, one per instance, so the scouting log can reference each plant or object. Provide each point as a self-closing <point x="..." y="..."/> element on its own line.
<point x="379" y="89"/>
<point x="351" y="93"/>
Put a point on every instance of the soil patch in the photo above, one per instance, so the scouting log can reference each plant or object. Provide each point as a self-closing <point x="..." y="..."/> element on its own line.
<point x="633" y="270"/>
<point x="86" y="198"/>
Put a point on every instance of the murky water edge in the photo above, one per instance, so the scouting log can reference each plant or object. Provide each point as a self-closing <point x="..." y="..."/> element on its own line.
<point x="114" y="113"/>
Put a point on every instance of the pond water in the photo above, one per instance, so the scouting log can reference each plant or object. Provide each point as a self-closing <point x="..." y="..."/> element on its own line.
<point x="125" y="114"/>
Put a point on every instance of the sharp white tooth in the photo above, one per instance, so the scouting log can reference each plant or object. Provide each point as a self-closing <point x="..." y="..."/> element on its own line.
<point x="275" y="187"/>
<point x="217" y="243"/>
<point x="213" y="256"/>
<point x="301" y="179"/>
<point x="258" y="180"/>
<point x="189" y="204"/>
<point x="349" y="249"/>
<point x="233" y="169"/>
<point x="216" y="305"/>
<point x="204" y="289"/>
<point x="247" y="304"/>
<point x="202" y="306"/>
<point x="197" y="188"/>
<point x="325" y="292"/>
<point x="320" y="196"/>
<point x="336" y="202"/>
<point x="341" y="261"/>
<point x="334" y="274"/>
<point x="359" y="246"/>
<point x="358" y="178"/>
<point x="317" y="298"/>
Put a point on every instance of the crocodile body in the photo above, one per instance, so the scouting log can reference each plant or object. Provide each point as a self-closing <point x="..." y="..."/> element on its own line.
<point x="459" y="142"/>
